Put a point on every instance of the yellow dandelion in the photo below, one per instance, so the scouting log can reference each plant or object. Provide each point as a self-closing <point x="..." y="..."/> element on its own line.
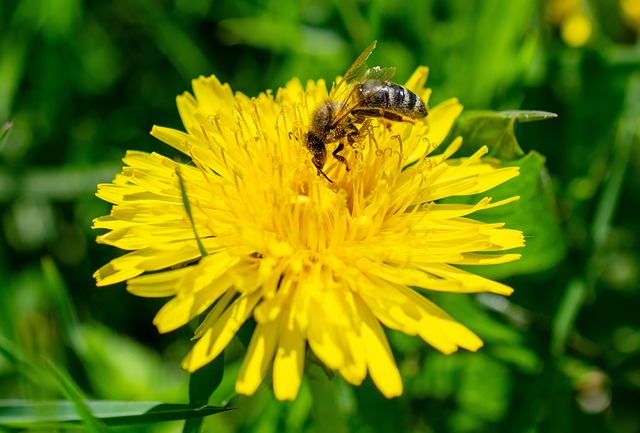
<point x="318" y="265"/>
<point x="631" y="13"/>
<point x="576" y="30"/>
<point x="573" y="19"/>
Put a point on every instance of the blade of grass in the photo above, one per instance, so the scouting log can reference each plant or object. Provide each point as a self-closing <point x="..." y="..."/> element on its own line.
<point x="58" y="293"/>
<point x="627" y="136"/>
<point x="578" y="291"/>
<point x="202" y="383"/>
<point x="76" y="397"/>
<point x="29" y="414"/>
<point x="187" y="208"/>
<point x="325" y="409"/>
<point x="5" y="129"/>
<point x="39" y="371"/>
<point x="570" y="305"/>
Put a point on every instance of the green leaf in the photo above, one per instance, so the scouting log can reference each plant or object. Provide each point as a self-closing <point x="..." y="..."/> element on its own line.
<point x="380" y="414"/>
<point x="5" y="129"/>
<point x="325" y="405"/>
<point x="494" y="129"/>
<point x="245" y="332"/>
<point x="202" y="383"/>
<point x="206" y="380"/>
<point x="25" y="413"/>
<point x="503" y="341"/>
<point x="535" y="213"/>
<point x="564" y="319"/>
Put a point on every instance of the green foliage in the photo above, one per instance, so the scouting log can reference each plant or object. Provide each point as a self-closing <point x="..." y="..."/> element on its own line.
<point x="202" y="384"/>
<point x="81" y="82"/>
<point x="494" y="129"/>
<point x="535" y="213"/>
<point x="38" y="372"/>
<point x="28" y="414"/>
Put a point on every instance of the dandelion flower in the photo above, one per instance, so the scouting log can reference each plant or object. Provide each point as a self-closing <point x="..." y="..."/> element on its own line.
<point x="261" y="235"/>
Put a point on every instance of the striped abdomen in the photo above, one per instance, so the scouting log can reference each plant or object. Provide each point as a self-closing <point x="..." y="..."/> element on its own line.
<point x="389" y="100"/>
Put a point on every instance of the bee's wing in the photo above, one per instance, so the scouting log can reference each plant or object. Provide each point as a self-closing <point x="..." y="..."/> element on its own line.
<point x="346" y="90"/>
<point x="355" y="71"/>
<point x="342" y="90"/>
<point x="379" y="74"/>
<point x="350" y="98"/>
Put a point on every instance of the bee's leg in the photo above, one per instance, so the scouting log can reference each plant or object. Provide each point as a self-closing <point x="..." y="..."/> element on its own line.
<point x="358" y="116"/>
<point x="394" y="117"/>
<point x="318" y="152"/>
<point x="320" y="172"/>
<point x="340" y="158"/>
<point x="362" y="113"/>
<point x="352" y="131"/>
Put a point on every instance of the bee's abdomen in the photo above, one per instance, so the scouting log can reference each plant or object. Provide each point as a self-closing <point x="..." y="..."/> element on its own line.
<point x="393" y="98"/>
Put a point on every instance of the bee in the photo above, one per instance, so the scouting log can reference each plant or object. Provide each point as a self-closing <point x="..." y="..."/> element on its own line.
<point x="361" y="93"/>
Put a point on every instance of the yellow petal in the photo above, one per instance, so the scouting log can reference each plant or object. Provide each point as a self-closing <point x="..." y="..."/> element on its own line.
<point x="441" y="118"/>
<point x="187" y="106"/>
<point x="258" y="358"/>
<point x="187" y="305"/>
<point x="157" y="285"/>
<point x="216" y="338"/>
<point x="176" y="139"/>
<point x="289" y="361"/>
<point x="380" y="362"/>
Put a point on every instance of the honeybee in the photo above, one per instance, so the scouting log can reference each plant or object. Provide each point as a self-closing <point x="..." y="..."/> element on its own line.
<point x="360" y="94"/>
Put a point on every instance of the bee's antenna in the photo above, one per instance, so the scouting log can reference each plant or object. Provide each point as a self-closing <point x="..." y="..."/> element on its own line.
<point x="325" y="176"/>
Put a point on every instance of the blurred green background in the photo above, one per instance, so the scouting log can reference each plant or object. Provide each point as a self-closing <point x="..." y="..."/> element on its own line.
<point x="82" y="81"/>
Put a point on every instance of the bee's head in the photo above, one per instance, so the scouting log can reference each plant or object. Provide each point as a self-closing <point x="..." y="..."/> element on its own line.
<point x="315" y="145"/>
